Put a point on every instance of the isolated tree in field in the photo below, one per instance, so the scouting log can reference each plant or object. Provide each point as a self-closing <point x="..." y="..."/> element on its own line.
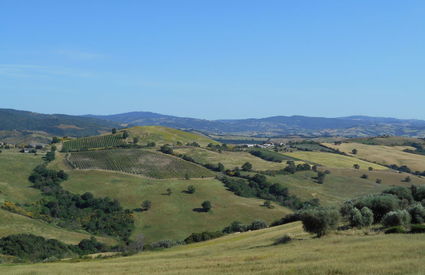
<point x="206" y="206"/>
<point x="378" y="181"/>
<point x="247" y="166"/>
<point x="169" y="191"/>
<point x="191" y="189"/>
<point x="356" y="166"/>
<point x="354" y="151"/>
<point x="125" y="135"/>
<point x="136" y="140"/>
<point x="146" y="205"/>
<point x="320" y="177"/>
<point x="319" y="220"/>
<point x="370" y="168"/>
<point x="364" y="176"/>
<point x="114" y="131"/>
<point x="220" y="167"/>
<point x="166" y="149"/>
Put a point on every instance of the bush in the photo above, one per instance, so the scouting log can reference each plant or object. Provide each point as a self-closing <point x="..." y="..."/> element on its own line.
<point x="256" y="225"/>
<point x="206" y="206"/>
<point x="417" y="228"/>
<point x="287" y="219"/>
<point x="400" y="192"/>
<point x="283" y="240"/>
<point x="191" y="189"/>
<point x="164" y="244"/>
<point x="379" y="204"/>
<point x="235" y="226"/>
<point x="319" y="220"/>
<point x="395" y="230"/>
<point x="204" y="236"/>
<point x="367" y="216"/>
<point x="396" y="218"/>
<point x="417" y="212"/>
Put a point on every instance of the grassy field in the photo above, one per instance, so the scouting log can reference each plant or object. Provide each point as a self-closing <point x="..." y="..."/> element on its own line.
<point x="230" y="160"/>
<point x="95" y="142"/>
<point x="388" y="141"/>
<point x="163" y="135"/>
<point x="15" y="168"/>
<point x="138" y="161"/>
<point x="342" y="184"/>
<point x="15" y="224"/>
<point x="173" y="216"/>
<point x="386" y="155"/>
<point x="333" y="160"/>
<point x="349" y="252"/>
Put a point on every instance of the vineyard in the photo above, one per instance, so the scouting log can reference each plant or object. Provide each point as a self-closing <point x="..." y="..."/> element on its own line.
<point x="139" y="161"/>
<point x="97" y="142"/>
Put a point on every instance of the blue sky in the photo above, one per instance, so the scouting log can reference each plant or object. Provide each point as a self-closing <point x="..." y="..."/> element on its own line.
<point x="214" y="59"/>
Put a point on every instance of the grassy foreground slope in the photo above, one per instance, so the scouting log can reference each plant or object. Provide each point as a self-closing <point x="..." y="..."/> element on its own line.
<point x="15" y="168"/>
<point x="333" y="160"/>
<point x="164" y="135"/>
<point x="138" y="161"/>
<point x="254" y="253"/>
<point x="172" y="216"/>
<point x="386" y="155"/>
<point x="230" y="160"/>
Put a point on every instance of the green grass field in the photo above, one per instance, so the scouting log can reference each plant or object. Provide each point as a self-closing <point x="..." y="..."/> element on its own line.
<point x="138" y="161"/>
<point x="348" y="252"/>
<point x="342" y="184"/>
<point x="386" y="155"/>
<point x="333" y="160"/>
<point x="163" y="135"/>
<point x="15" y="224"/>
<point x="230" y="160"/>
<point x="15" y="169"/>
<point x="95" y="142"/>
<point x="388" y="141"/>
<point x="172" y="217"/>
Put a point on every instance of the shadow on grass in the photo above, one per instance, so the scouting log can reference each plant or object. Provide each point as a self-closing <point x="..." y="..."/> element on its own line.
<point x="199" y="210"/>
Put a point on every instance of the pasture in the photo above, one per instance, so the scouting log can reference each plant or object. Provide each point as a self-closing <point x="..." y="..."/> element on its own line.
<point x="348" y="252"/>
<point x="137" y="161"/>
<point x="172" y="216"/>
<point x="230" y="160"/>
<point x="332" y="160"/>
<point x="386" y="155"/>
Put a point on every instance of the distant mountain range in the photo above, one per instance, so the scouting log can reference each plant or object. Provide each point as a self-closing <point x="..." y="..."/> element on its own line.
<point x="353" y="126"/>
<point x="277" y="126"/>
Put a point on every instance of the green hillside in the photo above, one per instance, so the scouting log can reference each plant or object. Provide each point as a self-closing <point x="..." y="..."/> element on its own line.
<point x="96" y="142"/>
<point x="254" y="253"/>
<point x="163" y="135"/>
<point x="138" y="161"/>
<point x="172" y="216"/>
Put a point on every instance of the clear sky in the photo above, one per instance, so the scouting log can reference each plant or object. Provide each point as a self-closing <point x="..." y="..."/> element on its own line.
<point x="214" y="59"/>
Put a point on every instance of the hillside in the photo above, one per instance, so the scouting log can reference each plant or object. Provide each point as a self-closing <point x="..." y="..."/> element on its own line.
<point x="55" y="125"/>
<point x="254" y="252"/>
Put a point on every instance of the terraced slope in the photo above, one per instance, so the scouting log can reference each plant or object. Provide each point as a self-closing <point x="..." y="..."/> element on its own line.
<point x="230" y="160"/>
<point x="163" y="135"/>
<point x="172" y="216"/>
<point x="254" y="253"/>
<point x="333" y="160"/>
<point x="386" y="155"/>
<point x="138" y="161"/>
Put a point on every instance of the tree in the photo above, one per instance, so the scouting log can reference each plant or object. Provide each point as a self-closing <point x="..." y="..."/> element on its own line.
<point x="417" y="212"/>
<point x="319" y="220"/>
<point x="191" y="189"/>
<point x="370" y="168"/>
<point x="356" y="166"/>
<point x="55" y="140"/>
<point x="364" y="176"/>
<point x="256" y="225"/>
<point x="169" y="191"/>
<point x="136" y="140"/>
<point x="354" y="151"/>
<point x="166" y="149"/>
<point x="320" y="177"/>
<point x="53" y="148"/>
<point x="186" y="176"/>
<point x="114" y="131"/>
<point x="220" y="167"/>
<point x="125" y="135"/>
<point x="396" y="218"/>
<point x="407" y="179"/>
<point x="146" y="205"/>
<point x="378" y="181"/>
<point x="247" y="166"/>
<point x="206" y="206"/>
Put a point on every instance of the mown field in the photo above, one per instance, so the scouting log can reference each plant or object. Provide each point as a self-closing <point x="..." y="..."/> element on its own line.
<point x="172" y="216"/>
<point x="95" y="142"/>
<point x="15" y="169"/>
<point x="386" y="155"/>
<point x="137" y="161"/>
<point x="342" y="184"/>
<point x="164" y="135"/>
<point x="349" y="252"/>
<point x="333" y="160"/>
<point x="230" y="160"/>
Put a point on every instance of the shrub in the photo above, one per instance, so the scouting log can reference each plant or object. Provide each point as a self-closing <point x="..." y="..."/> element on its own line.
<point x="287" y="219"/>
<point x="164" y="244"/>
<point x="319" y="220"/>
<point x="417" y="228"/>
<point x="364" y="176"/>
<point x="400" y="192"/>
<point x="283" y="240"/>
<point x="256" y="225"/>
<point x="204" y="236"/>
<point x="247" y="166"/>
<point x="206" y="206"/>
<point x="235" y="226"/>
<point x="367" y="216"/>
<point x="146" y="205"/>
<point x="417" y="212"/>
<point x="191" y="189"/>
<point x="379" y="204"/>
<point x="396" y="218"/>
<point x="395" y="230"/>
